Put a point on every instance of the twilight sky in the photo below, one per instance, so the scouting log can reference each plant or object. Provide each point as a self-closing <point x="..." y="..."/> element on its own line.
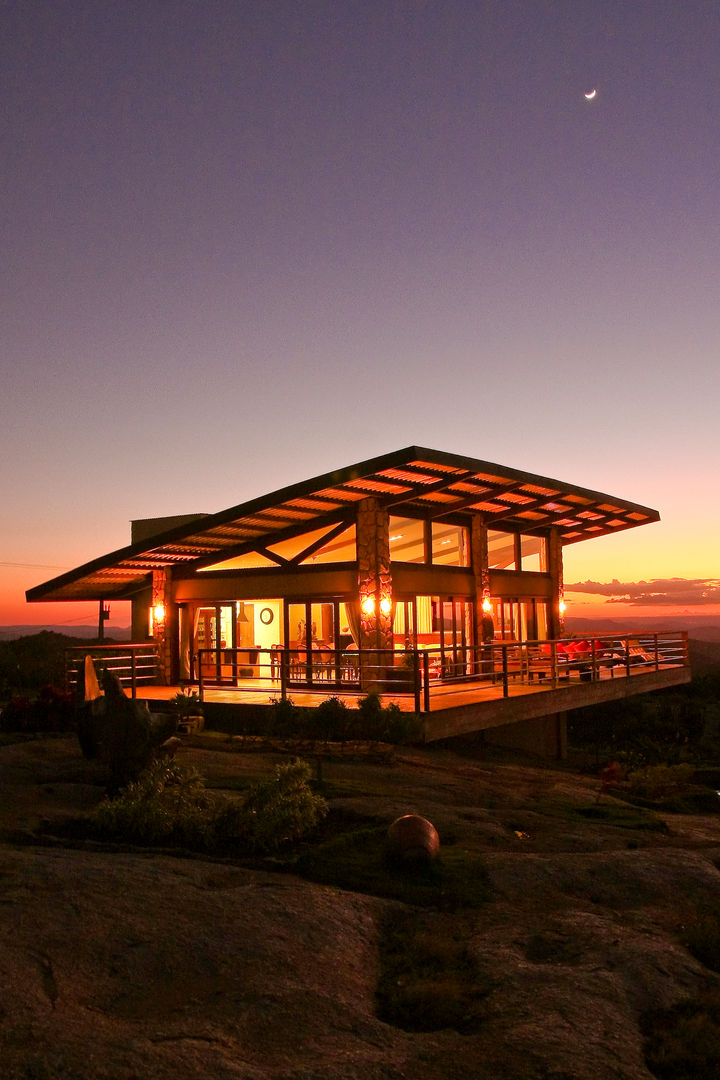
<point x="248" y="242"/>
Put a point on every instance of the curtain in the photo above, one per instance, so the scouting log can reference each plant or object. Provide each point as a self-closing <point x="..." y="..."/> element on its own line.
<point x="352" y="617"/>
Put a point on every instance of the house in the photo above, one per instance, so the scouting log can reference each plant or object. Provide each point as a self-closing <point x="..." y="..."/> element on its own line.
<point x="417" y="559"/>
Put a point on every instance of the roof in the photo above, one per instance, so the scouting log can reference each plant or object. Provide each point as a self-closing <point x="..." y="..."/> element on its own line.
<point x="416" y="481"/>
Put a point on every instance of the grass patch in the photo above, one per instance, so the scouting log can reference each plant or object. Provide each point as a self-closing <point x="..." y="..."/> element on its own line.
<point x="428" y="979"/>
<point x="358" y="861"/>
<point x="616" y="814"/>
<point x="684" y="1043"/>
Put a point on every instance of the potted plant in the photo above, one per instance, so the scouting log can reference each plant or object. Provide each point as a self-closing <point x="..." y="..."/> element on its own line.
<point x="188" y="709"/>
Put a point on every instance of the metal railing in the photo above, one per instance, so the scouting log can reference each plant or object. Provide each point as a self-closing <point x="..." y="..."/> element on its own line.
<point x="134" y="665"/>
<point x="499" y="666"/>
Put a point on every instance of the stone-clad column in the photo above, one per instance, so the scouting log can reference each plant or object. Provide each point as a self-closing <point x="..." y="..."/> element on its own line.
<point x="162" y="627"/>
<point x="374" y="588"/>
<point x="555" y="566"/>
<point x="481" y="573"/>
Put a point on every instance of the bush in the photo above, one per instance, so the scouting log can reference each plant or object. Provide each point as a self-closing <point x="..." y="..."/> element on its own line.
<point x="657" y="782"/>
<point x="387" y="723"/>
<point x="282" y="810"/>
<point x="333" y="721"/>
<point x="169" y="805"/>
<point x="51" y="711"/>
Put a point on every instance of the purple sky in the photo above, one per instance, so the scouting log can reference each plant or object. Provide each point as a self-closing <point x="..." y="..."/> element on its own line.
<point x="246" y="243"/>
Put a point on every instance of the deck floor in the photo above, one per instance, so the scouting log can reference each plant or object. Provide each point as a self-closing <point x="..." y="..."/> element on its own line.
<point x="442" y="695"/>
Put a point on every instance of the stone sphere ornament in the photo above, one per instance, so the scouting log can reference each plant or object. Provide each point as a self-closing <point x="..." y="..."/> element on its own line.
<point x="413" y="839"/>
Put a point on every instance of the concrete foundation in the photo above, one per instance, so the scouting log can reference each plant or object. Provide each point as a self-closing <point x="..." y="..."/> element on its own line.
<point x="545" y="736"/>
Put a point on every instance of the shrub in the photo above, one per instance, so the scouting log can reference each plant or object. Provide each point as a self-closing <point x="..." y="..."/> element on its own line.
<point x="282" y="810"/>
<point x="285" y="717"/>
<point x="388" y="723"/>
<point x="332" y="720"/>
<point x="169" y="804"/>
<point x="17" y="714"/>
<point x="657" y="782"/>
<point x="52" y="710"/>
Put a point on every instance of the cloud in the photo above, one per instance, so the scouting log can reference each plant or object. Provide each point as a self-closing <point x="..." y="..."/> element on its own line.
<point x="673" y="591"/>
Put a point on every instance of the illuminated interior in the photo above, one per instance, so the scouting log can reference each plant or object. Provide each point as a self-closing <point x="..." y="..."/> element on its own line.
<point x="415" y="541"/>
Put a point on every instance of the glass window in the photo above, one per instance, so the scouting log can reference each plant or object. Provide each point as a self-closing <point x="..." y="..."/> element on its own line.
<point x="252" y="560"/>
<point x="407" y="540"/>
<point x="449" y="544"/>
<point x="290" y="549"/>
<point x="501" y="550"/>
<point x="340" y="549"/>
<point x="533" y="553"/>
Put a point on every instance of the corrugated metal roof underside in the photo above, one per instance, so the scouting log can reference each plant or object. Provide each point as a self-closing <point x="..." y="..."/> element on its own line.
<point x="419" y="482"/>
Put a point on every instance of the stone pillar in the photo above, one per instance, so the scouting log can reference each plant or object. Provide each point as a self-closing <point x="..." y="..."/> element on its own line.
<point x="162" y="628"/>
<point x="555" y="566"/>
<point x="374" y="584"/>
<point x="481" y="573"/>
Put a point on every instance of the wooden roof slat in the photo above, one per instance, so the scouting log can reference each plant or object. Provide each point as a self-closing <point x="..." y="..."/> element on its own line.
<point x="429" y="483"/>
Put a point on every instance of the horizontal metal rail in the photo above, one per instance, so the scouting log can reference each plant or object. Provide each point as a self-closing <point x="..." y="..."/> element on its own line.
<point x="537" y="664"/>
<point x="134" y="665"/>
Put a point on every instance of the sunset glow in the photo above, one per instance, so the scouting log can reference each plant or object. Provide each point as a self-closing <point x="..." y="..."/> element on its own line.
<point x="267" y="244"/>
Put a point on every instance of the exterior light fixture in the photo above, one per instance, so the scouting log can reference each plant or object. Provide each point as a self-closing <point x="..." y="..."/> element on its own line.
<point x="562" y="606"/>
<point x="368" y="605"/>
<point x="158" y="613"/>
<point x="486" y="602"/>
<point x="385" y="605"/>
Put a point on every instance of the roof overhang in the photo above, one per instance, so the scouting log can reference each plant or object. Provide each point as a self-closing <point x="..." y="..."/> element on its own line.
<point x="415" y="482"/>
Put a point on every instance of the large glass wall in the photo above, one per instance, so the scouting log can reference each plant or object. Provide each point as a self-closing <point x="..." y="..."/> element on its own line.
<point x="438" y="543"/>
<point x="520" y="620"/>
<point x="517" y="551"/>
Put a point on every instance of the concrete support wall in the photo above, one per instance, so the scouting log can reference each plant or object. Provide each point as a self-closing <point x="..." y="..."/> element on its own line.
<point x="545" y="736"/>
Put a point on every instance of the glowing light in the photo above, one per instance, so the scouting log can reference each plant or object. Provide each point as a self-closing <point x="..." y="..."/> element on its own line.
<point x="486" y="605"/>
<point x="159" y="613"/>
<point x="591" y="96"/>
<point x="368" y="605"/>
<point x="385" y="605"/>
<point x="562" y="606"/>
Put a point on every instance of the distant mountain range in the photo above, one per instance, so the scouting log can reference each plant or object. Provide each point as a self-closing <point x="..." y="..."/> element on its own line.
<point x="699" y="627"/>
<point x="116" y="633"/>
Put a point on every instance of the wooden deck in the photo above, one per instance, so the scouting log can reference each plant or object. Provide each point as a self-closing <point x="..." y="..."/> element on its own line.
<point x="461" y="708"/>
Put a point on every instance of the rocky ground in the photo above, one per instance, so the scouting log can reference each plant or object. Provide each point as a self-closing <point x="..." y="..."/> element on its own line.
<point x="126" y="964"/>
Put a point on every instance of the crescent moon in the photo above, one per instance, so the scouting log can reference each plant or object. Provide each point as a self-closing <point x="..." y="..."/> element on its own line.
<point x="591" y="95"/>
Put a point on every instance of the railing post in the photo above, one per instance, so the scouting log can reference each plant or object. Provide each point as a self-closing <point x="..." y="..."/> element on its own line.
<point x="506" y="691"/>
<point x="201" y="687"/>
<point x="627" y="657"/>
<point x="426" y="679"/>
<point x="133" y="673"/>
<point x="657" y="654"/>
<point x="284" y="671"/>
<point x="416" y="679"/>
